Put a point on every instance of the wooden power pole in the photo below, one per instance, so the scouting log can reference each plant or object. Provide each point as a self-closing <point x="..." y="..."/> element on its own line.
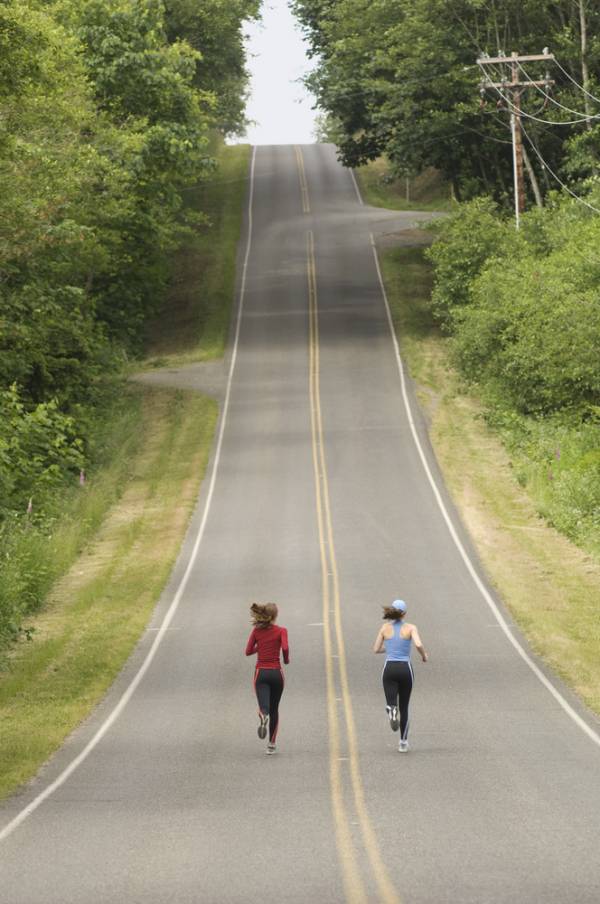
<point x="516" y="87"/>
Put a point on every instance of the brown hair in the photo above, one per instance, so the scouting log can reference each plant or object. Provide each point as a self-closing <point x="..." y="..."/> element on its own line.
<point x="263" y="614"/>
<point x="393" y="614"/>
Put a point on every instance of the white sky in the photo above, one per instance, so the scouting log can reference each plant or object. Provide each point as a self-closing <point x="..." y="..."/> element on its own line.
<point x="280" y="107"/>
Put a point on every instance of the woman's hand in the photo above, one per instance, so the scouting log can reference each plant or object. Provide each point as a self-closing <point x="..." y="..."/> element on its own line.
<point x="378" y="645"/>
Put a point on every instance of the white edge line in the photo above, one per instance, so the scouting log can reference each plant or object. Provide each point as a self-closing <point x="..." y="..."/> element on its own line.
<point x="581" y="723"/>
<point x="356" y="188"/>
<point x="130" y="690"/>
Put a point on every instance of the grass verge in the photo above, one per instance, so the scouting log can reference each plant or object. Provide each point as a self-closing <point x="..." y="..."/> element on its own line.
<point x="379" y="187"/>
<point x="96" y="612"/>
<point x="194" y="322"/>
<point x="39" y="549"/>
<point x="550" y="585"/>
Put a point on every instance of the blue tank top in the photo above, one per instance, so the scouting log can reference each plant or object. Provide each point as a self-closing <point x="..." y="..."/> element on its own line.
<point x="397" y="648"/>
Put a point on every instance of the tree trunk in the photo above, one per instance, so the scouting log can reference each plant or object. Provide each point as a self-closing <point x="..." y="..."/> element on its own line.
<point x="484" y="174"/>
<point x="500" y="177"/>
<point x="532" y="179"/>
<point x="585" y="72"/>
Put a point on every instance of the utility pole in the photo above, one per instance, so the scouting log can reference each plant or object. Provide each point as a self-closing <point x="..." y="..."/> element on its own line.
<point x="516" y="88"/>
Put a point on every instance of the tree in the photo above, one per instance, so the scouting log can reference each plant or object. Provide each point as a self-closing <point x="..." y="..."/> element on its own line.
<point x="214" y="29"/>
<point x="399" y="78"/>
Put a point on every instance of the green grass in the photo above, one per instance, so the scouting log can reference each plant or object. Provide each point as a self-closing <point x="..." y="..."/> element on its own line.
<point x="427" y="191"/>
<point x="36" y="552"/>
<point x="194" y="322"/>
<point x="550" y="585"/>
<point x="96" y="612"/>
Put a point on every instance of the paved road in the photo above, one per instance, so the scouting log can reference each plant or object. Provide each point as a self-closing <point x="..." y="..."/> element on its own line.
<point x="321" y="503"/>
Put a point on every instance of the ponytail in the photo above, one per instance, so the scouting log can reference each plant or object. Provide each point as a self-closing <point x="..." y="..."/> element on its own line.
<point x="392" y="614"/>
<point x="263" y="614"/>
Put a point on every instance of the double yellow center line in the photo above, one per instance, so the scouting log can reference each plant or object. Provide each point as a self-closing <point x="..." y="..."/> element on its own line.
<point x="341" y="723"/>
<point x="303" y="182"/>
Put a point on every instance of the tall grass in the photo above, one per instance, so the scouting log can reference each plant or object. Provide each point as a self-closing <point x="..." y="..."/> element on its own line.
<point x="558" y="461"/>
<point x="36" y="549"/>
<point x="381" y="188"/>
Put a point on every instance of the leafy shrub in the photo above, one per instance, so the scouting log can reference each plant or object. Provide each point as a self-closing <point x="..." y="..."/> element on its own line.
<point x="524" y="310"/>
<point x="37" y="449"/>
<point x="533" y="336"/>
<point x="464" y="243"/>
<point x="524" y="307"/>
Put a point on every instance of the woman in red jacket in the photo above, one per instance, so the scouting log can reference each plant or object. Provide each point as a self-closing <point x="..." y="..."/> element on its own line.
<point x="267" y="639"/>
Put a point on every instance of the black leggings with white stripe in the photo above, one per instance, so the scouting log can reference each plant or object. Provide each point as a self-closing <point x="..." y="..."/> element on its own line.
<point x="397" y="686"/>
<point x="268" y="685"/>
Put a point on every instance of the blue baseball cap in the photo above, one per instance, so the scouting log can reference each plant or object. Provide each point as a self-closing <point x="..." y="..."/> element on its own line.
<point x="400" y="605"/>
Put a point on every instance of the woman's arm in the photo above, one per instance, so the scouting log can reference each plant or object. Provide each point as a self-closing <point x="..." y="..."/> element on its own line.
<point x="285" y="647"/>
<point x="251" y="646"/>
<point x="378" y="645"/>
<point x="418" y="644"/>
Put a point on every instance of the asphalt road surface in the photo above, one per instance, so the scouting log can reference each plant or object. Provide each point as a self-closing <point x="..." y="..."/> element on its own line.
<point x="319" y="499"/>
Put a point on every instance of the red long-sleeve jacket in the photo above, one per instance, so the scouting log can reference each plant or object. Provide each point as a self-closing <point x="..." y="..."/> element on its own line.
<point x="267" y="642"/>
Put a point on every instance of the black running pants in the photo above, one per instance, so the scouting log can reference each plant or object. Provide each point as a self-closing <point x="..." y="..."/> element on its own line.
<point x="397" y="685"/>
<point x="268" y="684"/>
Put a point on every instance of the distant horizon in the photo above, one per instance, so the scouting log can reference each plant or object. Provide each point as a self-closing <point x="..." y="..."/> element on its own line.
<point x="279" y="105"/>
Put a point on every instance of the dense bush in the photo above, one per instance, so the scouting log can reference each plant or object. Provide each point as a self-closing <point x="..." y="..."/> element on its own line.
<point x="533" y="333"/>
<point x="464" y="243"/>
<point x="523" y="311"/>
<point x="523" y="307"/>
<point x="38" y="447"/>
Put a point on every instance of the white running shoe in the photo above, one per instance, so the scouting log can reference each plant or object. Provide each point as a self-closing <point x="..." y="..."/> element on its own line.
<point x="403" y="747"/>
<point x="393" y="717"/>
<point x="271" y="749"/>
<point x="262" y="728"/>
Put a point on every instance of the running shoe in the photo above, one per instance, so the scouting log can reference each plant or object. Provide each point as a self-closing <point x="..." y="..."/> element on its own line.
<point x="393" y="716"/>
<point x="271" y="749"/>
<point x="403" y="747"/>
<point x="262" y="728"/>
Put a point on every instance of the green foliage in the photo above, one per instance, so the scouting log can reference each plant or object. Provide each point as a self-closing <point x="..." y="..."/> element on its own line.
<point x="37" y="547"/>
<point x="523" y="307"/>
<point x="106" y="110"/>
<point x="399" y="77"/>
<point x="37" y="448"/>
<point x="532" y="336"/>
<point x="214" y="28"/>
<point x="464" y="243"/>
<point x="558" y="459"/>
<point x="524" y="313"/>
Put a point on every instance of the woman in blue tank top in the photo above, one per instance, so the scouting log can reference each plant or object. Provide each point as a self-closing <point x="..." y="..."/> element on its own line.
<point x="396" y="637"/>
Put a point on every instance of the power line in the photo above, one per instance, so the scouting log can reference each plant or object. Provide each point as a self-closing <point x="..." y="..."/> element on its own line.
<point x="584" y="116"/>
<point x="548" y="122"/>
<point x="553" y="174"/>
<point x="575" y="82"/>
